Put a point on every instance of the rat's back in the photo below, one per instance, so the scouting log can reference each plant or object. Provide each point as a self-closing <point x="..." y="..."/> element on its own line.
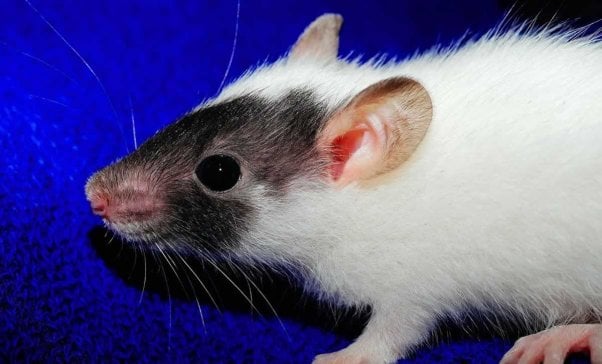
<point x="517" y="125"/>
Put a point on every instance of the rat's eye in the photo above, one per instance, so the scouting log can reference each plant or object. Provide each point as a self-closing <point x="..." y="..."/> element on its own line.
<point x="218" y="172"/>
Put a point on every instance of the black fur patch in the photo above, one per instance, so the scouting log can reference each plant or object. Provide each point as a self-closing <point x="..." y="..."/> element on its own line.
<point x="275" y="141"/>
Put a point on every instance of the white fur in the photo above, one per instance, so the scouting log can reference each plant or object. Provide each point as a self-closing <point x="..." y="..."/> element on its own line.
<point x="499" y="208"/>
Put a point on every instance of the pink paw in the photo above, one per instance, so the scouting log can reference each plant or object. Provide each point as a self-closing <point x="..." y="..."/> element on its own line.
<point x="340" y="357"/>
<point x="553" y="345"/>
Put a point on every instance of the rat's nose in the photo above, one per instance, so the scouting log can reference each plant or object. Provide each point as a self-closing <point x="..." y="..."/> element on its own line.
<point x="99" y="206"/>
<point x="120" y="198"/>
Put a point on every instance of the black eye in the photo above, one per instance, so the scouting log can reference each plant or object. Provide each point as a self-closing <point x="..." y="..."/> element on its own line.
<point x="218" y="172"/>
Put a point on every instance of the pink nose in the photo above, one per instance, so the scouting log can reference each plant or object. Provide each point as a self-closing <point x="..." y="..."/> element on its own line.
<point x="99" y="206"/>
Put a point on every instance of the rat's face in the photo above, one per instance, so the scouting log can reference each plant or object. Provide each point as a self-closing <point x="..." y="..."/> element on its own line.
<point x="204" y="181"/>
<point x="199" y="181"/>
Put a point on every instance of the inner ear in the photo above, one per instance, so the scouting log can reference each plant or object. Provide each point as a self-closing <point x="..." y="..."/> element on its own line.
<point x="377" y="131"/>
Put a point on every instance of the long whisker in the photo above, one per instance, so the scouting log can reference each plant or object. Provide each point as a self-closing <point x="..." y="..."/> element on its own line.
<point x="235" y="286"/>
<point x="112" y="237"/>
<point x="249" y="280"/>
<point x="205" y="288"/>
<point x="52" y="101"/>
<point x="250" y="289"/>
<point x="41" y="61"/>
<point x="172" y="264"/>
<point x="198" y="304"/>
<point x="144" y="281"/>
<point x="120" y="247"/>
<point x="133" y="123"/>
<point x="168" y="297"/>
<point x="135" y="262"/>
<point x="221" y="85"/>
<point x="83" y="60"/>
<point x="246" y="297"/>
<point x="201" y="282"/>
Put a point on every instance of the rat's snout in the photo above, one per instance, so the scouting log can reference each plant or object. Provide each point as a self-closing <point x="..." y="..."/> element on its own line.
<point x="127" y="199"/>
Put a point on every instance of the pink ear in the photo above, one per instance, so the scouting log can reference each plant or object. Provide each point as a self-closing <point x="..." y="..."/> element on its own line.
<point x="344" y="147"/>
<point x="356" y="151"/>
<point x="320" y="40"/>
<point x="377" y="131"/>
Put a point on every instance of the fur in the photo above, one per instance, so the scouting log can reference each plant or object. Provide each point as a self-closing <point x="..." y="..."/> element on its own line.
<point x="500" y="205"/>
<point x="498" y="208"/>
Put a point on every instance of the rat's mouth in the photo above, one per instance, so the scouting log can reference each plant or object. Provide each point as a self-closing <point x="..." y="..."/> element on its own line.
<point x="134" y="231"/>
<point x="147" y="237"/>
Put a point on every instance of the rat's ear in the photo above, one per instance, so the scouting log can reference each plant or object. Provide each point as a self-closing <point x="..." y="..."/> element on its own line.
<point x="377" y="131"/>
<point x="320" y="40"/>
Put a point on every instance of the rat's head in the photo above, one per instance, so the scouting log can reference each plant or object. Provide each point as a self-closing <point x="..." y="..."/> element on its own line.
<point x="204" y="181"/>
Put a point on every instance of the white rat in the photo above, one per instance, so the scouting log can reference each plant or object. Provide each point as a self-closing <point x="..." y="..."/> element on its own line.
<point x="461" y="178"/>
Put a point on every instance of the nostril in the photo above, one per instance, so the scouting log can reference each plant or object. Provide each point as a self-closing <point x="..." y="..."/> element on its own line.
<point x="99" y="206"/>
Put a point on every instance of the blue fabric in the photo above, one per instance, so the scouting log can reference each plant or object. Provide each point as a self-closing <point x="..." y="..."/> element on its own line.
<point x="67" y="294"/>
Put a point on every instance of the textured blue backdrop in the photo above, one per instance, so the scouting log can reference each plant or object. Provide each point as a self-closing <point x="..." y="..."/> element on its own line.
<point x="68" y="295"/>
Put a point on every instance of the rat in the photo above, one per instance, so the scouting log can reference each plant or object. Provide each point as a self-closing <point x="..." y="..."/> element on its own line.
<point x="462" y="177"/>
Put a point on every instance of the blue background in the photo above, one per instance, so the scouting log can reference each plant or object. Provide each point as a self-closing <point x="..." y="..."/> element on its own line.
<point x="67" y="293"/>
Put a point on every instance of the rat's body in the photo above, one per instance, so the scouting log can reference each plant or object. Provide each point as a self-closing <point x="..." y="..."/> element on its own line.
<point x="494" y="201"/>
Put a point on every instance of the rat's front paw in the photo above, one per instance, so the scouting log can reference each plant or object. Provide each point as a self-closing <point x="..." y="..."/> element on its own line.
<point x="553" y="345"/>
<point x="342" y="357"/>
<point x="354" y="354"/>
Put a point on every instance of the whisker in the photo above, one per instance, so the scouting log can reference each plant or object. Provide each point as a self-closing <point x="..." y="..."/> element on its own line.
<point x="41" y="61"/>
<point x="168" y="296"/>
<point x="120" y="248"/>
<point x="135" y="262"/>
<point x="133" y="123"/>
<point x="52" y="101"/>
<point x="250" y="289"/>
<point x="266" y="301"/>
<point x="201" y="282"/>
<point x="198" y="304"/>
<point x="83" y="60"/>
<point x="112" y="237"/>
<point x="221" y="85"/>
<point x="205" y="288"/>
<point x="172" y="264"/>
<point x="235" y="286"/>
<point x="144" y="281"/>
